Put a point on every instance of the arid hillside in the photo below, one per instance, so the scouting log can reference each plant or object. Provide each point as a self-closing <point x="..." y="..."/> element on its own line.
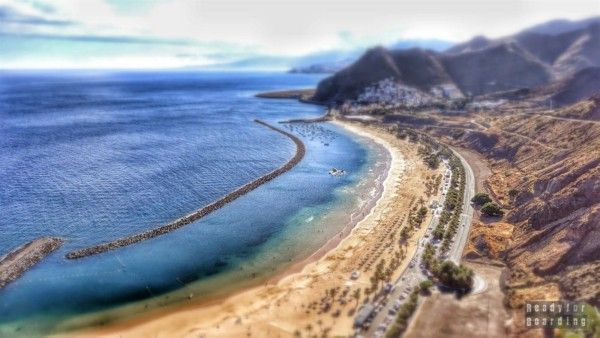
<point x="580" y="85"/>
<point x="498" y="68"/>
<point x="546" y="174"/>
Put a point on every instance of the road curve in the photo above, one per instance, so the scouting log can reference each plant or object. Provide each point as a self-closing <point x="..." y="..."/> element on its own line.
<point x="196" y="215"/>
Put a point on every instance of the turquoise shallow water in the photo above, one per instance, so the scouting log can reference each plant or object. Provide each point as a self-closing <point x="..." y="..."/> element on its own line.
<point x="93" y="156"/>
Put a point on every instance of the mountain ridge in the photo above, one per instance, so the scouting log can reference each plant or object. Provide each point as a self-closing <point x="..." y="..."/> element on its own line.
<point x="530" y="59"/>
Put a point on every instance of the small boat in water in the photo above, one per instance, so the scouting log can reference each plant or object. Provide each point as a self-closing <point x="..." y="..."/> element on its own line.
<point x="337" y="172"/>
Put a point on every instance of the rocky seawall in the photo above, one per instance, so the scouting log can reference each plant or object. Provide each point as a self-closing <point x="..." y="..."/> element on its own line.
<point x="17" y="262"/>
<point x="121" y="242"/>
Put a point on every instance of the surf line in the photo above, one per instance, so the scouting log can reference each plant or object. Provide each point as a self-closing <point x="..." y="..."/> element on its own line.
<point x="196" y="215"/>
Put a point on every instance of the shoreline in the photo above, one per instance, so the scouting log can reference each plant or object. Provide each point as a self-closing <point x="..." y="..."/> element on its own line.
<point x="330" y="244"/>
<point x="333" y="242"/>
<point x="198" y="214"/>
<point x="259" y="298"/>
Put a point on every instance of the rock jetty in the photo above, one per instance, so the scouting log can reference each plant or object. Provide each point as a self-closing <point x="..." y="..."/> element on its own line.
<point x="17" y="262"/>
<point x="121" y="242"/>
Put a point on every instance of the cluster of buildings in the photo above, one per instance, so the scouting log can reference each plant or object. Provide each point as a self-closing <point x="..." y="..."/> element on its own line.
<point x="391" y="93"/>
<point x="446" y="91"/>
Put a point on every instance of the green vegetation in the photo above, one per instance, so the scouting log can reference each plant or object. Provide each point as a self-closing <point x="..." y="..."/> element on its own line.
<point x="430" y="156"/>
<point x="453" y="203"/>
<point x="451" y="199"/>
<point x="429" y="257"/>
<point x="592" y="328"/>
<point x="447" y="273"/>
<point x="453" y="276"/>
<point x="417" y="216"/>
<point x="481" y="198"/>
<point x="406" y="311"/>
<point x="432" y="161"/>
<point x="438" y="232"/>
<point x="425" y="285"/>
<point x="492" y="209"/>
<point x="450" y="216"/>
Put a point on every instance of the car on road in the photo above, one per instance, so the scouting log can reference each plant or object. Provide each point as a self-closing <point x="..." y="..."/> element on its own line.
<point x="388" y="288"/>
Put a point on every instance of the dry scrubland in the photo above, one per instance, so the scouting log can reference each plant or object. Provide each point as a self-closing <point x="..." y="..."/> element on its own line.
<point x="542" y="167"/>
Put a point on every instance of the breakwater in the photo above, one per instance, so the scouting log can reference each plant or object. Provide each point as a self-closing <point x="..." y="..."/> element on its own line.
<point x="124" y="241"/>
<point x="17" y="262"/>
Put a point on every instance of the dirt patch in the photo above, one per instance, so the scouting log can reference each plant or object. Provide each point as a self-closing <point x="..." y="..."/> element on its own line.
<point x="480" y="315"/>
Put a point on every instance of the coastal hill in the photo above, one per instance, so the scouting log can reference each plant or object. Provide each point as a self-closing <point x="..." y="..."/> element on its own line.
<point x="497" y="68"/>
<point x="566" y="47"/>
<point x="581" y="85"/>
<point x="415" y="67"/>
<point x="532" y="127"/>
<point x="532" y="58"/>
<point x="543" y="171"/>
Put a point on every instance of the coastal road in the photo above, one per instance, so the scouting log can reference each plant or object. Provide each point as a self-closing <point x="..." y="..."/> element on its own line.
<point x="413" y="274"/>
<point x="458" y="245"/>
<point x="410" y="277"/>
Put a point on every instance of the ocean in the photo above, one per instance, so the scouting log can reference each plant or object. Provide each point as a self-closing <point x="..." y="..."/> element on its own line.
<point x="91" y="156"/>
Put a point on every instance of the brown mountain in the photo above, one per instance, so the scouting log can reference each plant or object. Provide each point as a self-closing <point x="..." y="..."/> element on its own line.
<point x="420" y="68"/>
<point x="566" y="47"/>
<point x="497" y="68"/>
<point x="413" y="67"/>
<point x="584" y="52"/>
<point x="476" y="43"/>
<point x="529" y="59"/>
<point x="581" y="85"/>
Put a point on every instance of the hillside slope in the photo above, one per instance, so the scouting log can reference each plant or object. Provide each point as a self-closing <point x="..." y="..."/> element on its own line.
<point x="497" y="68"/>
<point x="412" y="67"/>
<point x="529" y="59"/>
<point x="579" y="86"/>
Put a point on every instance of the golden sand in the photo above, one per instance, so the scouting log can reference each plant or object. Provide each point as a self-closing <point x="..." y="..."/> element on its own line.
<point x="302" y="302"/>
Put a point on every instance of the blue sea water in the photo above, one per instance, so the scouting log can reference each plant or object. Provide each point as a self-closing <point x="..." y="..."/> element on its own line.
<point x="94" y="156"/>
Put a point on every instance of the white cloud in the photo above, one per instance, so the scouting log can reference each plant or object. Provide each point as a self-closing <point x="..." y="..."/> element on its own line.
<point x="287" y="27"/>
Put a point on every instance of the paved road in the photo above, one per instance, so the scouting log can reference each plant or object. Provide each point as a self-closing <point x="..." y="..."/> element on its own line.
<point x="466" y="216"/>
<point x="413" y="274"/>
<point x="410" y="277"/>
<point x="556" y="117"/>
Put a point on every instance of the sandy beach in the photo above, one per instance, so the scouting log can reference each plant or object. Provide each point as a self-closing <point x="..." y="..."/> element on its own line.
<point x="318" y="294"/>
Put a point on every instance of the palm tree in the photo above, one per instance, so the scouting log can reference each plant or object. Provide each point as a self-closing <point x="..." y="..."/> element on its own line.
<point x="356" y="296"/>
<point x="309" y="328"/>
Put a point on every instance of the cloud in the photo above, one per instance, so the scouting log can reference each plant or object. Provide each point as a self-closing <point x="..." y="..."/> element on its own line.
<point x="99" y="38"/>
<point x="190" y="30"/>
<point x="9" y="15"/>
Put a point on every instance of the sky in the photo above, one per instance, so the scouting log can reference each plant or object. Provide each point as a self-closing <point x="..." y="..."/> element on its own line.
<point x="184" y="33"/>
